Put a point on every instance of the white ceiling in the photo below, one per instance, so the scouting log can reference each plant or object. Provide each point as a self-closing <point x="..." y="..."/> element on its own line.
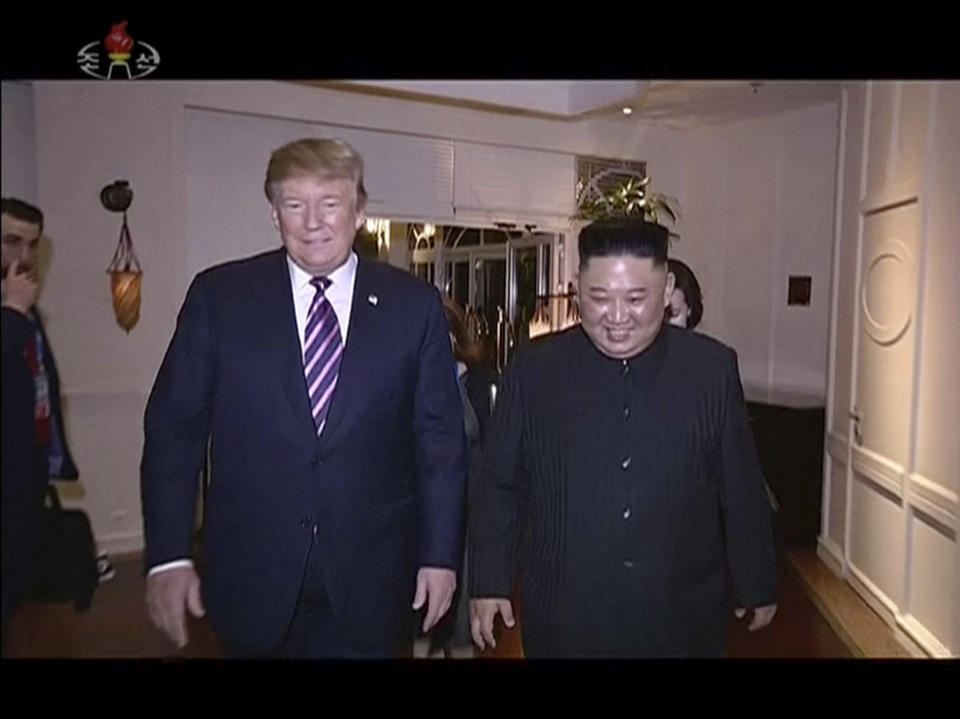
<point x="551" y="97"/>
<point x="688" y="103"/>
<point x="677" y="103"/>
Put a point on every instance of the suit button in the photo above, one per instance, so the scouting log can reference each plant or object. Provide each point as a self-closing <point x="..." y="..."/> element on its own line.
<point x="626" y="513"/>
<point x="315" y="462"/>
<point x="306" y="522"/>
<point x="626" y="413"/>
<point x="627" y="564"/>
<point x="625" y="463"/>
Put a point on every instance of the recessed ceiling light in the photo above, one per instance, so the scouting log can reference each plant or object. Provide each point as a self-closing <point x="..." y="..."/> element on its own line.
<point x="627" y="111"/>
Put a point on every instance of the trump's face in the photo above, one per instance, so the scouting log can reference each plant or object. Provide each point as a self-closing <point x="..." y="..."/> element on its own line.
<point x="318" y="219"/>
<point x="622" y="302"/>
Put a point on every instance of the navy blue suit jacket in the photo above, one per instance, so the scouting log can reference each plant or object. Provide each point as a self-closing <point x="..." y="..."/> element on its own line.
<point x="383" y="485"/>
<point x="21" y="454"/>
<point x="25" y="466"/>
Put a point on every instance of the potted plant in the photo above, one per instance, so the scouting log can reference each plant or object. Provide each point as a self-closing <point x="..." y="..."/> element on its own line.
<point x="630" y="197"/>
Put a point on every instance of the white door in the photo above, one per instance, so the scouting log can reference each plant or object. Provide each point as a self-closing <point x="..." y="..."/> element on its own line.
<point x="882" y="394"/>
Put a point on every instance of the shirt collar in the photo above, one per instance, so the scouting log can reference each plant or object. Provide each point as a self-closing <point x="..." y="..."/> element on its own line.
<point x="339" y="278"/>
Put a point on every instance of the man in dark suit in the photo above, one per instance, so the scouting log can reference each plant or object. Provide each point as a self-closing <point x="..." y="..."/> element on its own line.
<point x="620" y="451"/>
<point x="326" y="387"/>
<point x="34" y="443"/>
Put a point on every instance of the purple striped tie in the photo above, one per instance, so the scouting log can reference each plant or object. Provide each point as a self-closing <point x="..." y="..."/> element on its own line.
<point x="321" y="354"/>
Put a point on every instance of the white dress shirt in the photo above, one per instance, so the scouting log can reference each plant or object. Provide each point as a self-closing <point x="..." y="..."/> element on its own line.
<point x="339" y="294"/>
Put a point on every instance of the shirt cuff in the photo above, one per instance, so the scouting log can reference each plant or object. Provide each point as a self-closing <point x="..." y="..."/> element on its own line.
<point x="170" y="565"/>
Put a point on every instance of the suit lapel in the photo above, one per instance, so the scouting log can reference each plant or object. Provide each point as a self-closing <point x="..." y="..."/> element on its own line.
<point x="283" y="337"/>
<point x="359" y="354"/>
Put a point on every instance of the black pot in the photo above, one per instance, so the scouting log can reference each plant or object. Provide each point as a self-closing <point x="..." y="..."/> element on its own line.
<point x="117" y="196"/>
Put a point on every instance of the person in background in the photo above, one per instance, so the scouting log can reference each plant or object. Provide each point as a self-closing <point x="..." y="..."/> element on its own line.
<point x="35" y="447"/>
<point x="685" y="308"/>
<point x="451" y="637"/>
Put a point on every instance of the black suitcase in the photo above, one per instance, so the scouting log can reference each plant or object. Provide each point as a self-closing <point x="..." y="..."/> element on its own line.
<point x="65" y="568"/>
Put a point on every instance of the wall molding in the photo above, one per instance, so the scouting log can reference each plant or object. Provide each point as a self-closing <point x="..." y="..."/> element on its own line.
<point x="121" y="542"/>
<point x="912" y="635"/>
<point x="887" y="333"/>
<point x="826" y="507"/>
<point x="922" y="636"/>
<point x="831" y="554"/>
<point x="837" y="447"/>
<point x="907" y="630"/>
<point x="937" y="501"/>
<point x="872" y="595"/>
<point x="103" y="391"/>
<point x="878" y="470"/>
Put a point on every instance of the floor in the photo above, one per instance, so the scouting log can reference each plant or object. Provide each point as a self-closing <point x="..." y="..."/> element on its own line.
<point x="819" y="617"/>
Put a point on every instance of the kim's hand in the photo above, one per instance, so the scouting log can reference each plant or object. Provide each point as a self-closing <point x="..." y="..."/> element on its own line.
<point x="483" y="612"/>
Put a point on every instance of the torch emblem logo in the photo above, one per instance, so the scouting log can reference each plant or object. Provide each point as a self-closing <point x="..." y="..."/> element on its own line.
<point x="118" y="56"/>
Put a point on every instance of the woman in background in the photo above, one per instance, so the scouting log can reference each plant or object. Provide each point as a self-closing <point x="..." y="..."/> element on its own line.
<point x="451" y="637"/>
<point x="686" y="302"/>
<point x="686" y="310"/>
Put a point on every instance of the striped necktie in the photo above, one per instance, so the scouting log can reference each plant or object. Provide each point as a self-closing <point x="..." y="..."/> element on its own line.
<point x="322" y="349"/>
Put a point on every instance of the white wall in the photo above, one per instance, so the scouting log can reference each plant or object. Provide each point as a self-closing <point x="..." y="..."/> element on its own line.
<point x="891" y="488"/>
<point x="758" y="206"/>
<point x="88" y="134"/>
<point x="18" y="173"/>
<point x="746" y="191"/>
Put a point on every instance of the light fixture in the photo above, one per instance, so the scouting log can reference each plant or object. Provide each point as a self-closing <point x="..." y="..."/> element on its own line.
<point x="627" y="110"/>
<point x="540" y="322"/>
<point x="125" y="272"/>
<point x="425" y="235"/>
<point x="379" y="228"/>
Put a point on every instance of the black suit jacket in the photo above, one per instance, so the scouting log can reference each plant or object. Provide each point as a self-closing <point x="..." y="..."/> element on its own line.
<point x="25" y="466"/>
<point x="383" y="485"/>
<point x="21" y="454"/>
<point x="637" y="490"/>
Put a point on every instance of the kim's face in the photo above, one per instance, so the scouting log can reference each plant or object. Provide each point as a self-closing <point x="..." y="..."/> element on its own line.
<point x="622" y="302"/>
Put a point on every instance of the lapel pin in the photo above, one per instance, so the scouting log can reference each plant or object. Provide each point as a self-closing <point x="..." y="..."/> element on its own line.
<point x="373" y="300"/>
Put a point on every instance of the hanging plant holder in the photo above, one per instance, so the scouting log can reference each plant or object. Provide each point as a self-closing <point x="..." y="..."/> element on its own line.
<point x="124" y="270"/>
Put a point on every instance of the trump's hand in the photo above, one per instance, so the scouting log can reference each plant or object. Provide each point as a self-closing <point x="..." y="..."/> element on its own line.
<point x="169" y="593"/>
<point x="435" y="587"/>
<point x="483" y="612"/>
